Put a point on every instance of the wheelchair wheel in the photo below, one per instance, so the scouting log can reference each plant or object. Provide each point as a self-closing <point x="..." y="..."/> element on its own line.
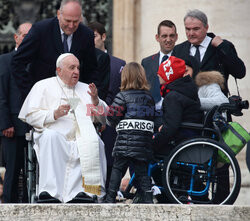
<point x="193" y="175"/>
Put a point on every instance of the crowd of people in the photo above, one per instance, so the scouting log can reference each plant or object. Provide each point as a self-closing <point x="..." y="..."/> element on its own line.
<point x="93" y="115"/>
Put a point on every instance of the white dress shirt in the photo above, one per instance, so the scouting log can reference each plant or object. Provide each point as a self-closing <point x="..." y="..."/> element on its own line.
<point x="203" y="47"/>
<point x="69" y="39"/>
<point x="162" y="55"/>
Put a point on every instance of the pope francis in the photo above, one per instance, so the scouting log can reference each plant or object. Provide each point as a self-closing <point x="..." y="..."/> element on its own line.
<point x="70" y="153"/>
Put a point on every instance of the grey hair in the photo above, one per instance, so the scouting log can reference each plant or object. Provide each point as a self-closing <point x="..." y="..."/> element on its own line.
<point x="64" y="2"/>
<point x="198" y="15"/>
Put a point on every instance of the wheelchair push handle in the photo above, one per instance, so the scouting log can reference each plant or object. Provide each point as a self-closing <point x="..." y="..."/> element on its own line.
<point x="235" y="106"/>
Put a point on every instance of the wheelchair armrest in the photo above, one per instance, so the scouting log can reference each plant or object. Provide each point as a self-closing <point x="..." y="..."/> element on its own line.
<point x="199" y="127"/>
<point x="194" y="126"/>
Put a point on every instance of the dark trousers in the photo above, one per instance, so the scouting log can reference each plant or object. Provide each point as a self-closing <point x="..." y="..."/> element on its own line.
<point x="109" y="137"/>
<point x="121" y="164"/>
<point x="13" y="158"/>
<point x="223" y="188"/>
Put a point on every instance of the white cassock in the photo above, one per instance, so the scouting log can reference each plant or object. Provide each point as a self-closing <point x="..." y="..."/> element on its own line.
<point x="70" y="153"/>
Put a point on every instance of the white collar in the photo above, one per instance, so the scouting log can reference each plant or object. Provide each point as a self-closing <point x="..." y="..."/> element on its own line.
<point x="162" y="55"/>
<point x="62" y="84"/>
<point x="205" y="42"/>
<point x="62" y="32"/>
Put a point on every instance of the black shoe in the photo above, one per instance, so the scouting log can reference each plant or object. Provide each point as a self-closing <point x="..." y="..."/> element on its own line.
<point x="45" y="197"/>
<point x="84" y="198"/>
<point x="143" y="197"/>
<point x="110" y="197"/>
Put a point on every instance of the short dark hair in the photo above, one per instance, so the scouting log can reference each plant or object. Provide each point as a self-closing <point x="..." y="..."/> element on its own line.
<point x="97" y="26"/>
<point x="166" y="23"/>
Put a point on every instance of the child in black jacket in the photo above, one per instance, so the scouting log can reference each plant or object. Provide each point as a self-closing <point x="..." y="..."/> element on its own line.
<point x="132" y="113"/>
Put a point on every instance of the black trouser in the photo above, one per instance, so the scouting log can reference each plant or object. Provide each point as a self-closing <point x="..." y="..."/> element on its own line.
<point x="13" y="157"/>
<point x="109" y="137"/>
<point x="223" y="188"/>
<point x="121" y="164"/>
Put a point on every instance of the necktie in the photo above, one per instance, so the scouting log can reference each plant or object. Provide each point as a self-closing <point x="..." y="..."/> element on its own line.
<point x="156" y="93"/>
<point x="197" y="54"/>
<point x="164" y="58"/>
<point x="65" y="43"/>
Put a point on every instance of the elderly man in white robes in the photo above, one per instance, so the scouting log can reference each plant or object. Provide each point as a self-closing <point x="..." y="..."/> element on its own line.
<point x="71" y="155"/>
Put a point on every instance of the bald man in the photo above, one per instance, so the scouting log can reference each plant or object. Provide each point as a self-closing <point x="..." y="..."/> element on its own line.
<point x="48" y="39"/>
<point x="70" y="153"/>
<point x="11" y="128"/>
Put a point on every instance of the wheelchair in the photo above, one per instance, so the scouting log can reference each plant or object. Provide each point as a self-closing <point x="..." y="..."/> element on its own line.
<point x="31" y="169"/>
<point x="32" y="176"/>
<point x="192" y="172"/>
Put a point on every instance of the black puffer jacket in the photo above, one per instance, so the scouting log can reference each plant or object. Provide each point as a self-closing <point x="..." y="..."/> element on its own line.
<point x="181" y="104"/>
<point x="132" y="113"/>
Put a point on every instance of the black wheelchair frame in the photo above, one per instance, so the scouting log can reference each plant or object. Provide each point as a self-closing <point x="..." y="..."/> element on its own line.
<point x="31" y="169"/>
<point x="191" y="173"/>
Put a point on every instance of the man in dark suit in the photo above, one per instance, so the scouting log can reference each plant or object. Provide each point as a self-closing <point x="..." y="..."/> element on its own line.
<point x="103" y="68"/>
<point x="166" y="36"/>
<point x="48" y="39"/>
<point x="211" y="52"/>
<point x="12" y="129"/>
<point x="116" y="65"/>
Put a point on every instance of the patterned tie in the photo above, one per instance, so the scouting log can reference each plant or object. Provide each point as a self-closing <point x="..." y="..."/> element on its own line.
<point x="65" y="43"/>
<point x="197" y="54"/>
<point x="164" y="58"/>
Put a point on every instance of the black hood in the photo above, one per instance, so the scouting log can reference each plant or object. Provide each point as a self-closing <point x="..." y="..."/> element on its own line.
<point x="185" y="86"/>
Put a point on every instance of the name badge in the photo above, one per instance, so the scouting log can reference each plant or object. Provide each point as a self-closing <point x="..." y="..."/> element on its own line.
<point x="135" y="124"/>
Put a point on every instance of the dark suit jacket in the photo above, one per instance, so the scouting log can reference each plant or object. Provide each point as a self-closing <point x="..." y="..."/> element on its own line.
<point x="103" y="68"/>
<point x="109" y="134"/>
<point x="116" y="65"/>
<point x="224" y="58"/>
<point x="151" y="66"/>
<point x="41" y="48"/>
<point x="10" y="98"/>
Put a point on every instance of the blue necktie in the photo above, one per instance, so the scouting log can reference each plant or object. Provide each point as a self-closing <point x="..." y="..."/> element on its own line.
<point x="65" y="43"/>
<point x="164" y="58"/>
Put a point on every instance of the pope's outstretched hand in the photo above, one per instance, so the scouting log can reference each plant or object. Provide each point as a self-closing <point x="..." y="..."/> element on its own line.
<point x="93" y="93"/>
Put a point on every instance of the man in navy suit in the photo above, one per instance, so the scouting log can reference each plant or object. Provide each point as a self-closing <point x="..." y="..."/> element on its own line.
<point x="12" y="129"/>
<point x="166" y="36"/>
<point x="116" y="65"/>
<point x="48" y="39"/>
<point x="212" y="52"/>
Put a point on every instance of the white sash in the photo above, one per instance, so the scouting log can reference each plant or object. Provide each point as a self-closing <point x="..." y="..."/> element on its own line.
<point x="88" y="147"/>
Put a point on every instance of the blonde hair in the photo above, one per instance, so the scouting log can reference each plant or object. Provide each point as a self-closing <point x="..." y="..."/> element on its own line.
<point x="133" y="77"/>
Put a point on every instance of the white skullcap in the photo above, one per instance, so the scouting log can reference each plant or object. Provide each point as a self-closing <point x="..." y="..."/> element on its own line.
<point x="61" y="57"/>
